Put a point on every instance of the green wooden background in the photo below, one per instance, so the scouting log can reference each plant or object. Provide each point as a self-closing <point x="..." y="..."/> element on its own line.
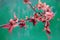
<point x="8" y="7"/>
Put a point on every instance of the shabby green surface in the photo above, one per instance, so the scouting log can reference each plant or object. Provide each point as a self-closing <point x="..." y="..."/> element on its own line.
<point x="8" y="7"/>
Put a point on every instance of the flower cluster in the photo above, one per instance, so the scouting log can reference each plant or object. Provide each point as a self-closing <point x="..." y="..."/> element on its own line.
<point x="44" y="17"/>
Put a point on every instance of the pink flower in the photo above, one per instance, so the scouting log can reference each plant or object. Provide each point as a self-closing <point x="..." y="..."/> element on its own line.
<point x="49" y="15"/>
<point x="11" y="25"/>
<point x="22" y="23"/>
<point x="39" y="5"/>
